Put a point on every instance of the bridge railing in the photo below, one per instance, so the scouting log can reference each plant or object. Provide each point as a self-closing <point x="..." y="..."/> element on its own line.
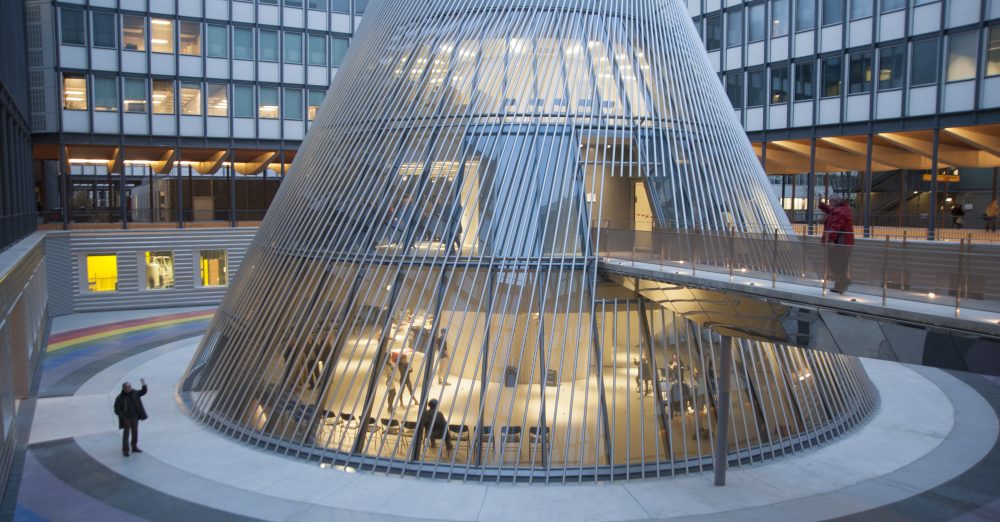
<point x="963" y="275"/>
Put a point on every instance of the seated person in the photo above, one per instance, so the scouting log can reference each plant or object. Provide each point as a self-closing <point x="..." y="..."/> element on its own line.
<point x="435" y="425"/>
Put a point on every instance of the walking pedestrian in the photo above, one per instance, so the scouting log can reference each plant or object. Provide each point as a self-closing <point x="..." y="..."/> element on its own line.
<point x="129" y="409"/>
<point x="443" y="357"/>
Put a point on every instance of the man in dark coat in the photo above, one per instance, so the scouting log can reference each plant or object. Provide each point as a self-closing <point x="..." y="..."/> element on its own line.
<point x="129" y="409"/>
<point x="434" y="426"/>
<point x="838" y="232"/>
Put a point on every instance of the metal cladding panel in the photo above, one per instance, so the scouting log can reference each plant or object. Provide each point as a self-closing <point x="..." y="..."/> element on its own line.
<point x="434" y="246"/>
<point x="67" y="252"/>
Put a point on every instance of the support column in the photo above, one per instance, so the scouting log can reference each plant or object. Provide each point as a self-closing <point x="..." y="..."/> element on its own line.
<point x="932" y="200"/>
<point x="866" y="208"/>
<point x="811" y="189"/>
<point x="64" y="183"/>
<point x="232" y="189"/>
<point x="720" y="460"/>
<point x="180" y="190"/>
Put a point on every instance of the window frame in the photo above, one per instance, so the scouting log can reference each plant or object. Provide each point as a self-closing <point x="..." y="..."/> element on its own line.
<point x="84" y="95"/>
<point x="730" y="15"/>
<point x="172" y="41"/>
<point x="214" y="28"/>
<point x="285" y="47"/>
<point x="209" y="87"/>
<point x="935" y="63"/>
<point x="81" y="30"/>
<point x="824" y="69"/>
<point x="95" y="34"/>
<point x="269" y="33"/>
<point x="143" y="38"/>
<point x="797" y="71"/>
<point x="865" y="85"/>
<point x="131" y="80"/>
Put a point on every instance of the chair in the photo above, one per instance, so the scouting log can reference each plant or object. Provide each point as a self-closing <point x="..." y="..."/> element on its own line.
<point x="485" y="437"/>
<point x="539" y="436"/>
<point x="462" y="434"/>
<point x="509" y="436"/>
<point x="394" y="428"/>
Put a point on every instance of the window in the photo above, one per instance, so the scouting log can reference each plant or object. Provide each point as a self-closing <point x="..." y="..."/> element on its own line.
<point x="214" y="270"/>
<point x="779" y="85"/>
<point x="105" y="94"/>
<point x="924" y="62"/>
<point x="755" y="88"/>
<point x="293" y="104"/>
<point x="74" y="92"/>
<point x="861" y="9"/>
<point x="860" y="73"/>
<point x="268" y="46"/>
<point x="190" y="39"/>
<point x="272" y="2"/>
<point x="317" y="4"/>
<point x="805" y="80"/>
<point x="163" y="96"/>
<point x="734" y="28"/>
<point x="242" y="43"/>
<point x="833" y="11"/>
<point x="159" y="270"/>
<point x="922" y="2"/>
<point x="134" y="33"/>
<point x="293" y="3"/>
<point x="993" y="52"/>
<point x="892" y="5"/>
<point x="338" y="49"/>
<point x="340" y="6"/>
<point x="962" y="56"/>
<point x="756" y="23"/>
<point x="293" y="48"/>
<point x="218" y="100"/>
<point x="315" y="102"/>
<point x="891" y="65"/>
<point x="805" y="15"/>
<point x="71" y="22"/>
<point x="191" y="98"/>
<point x="713" y="32"/>
<point x="135" y="95"/>
<point x="218" y="41"/>
<point x="734" y="89"/>
<point x="242" y="101"/>
<point x="833" y="77"/>
<point x="102" y="273"/>
<point x="359" y="6"/>
<point x="268" y="106"/>
<point x="161" y="35"/>
<point x="317" y="49"/>
<point x="779" y="17"/>
<point x="103" y="30"/>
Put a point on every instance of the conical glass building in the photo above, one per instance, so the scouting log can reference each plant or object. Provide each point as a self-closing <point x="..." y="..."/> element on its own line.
<point x="424" y="294"/>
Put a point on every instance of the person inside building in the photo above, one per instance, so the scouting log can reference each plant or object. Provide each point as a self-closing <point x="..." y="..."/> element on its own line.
<point x="957" y="213"/>
<point x="838" y="233"/>
<point x="433" y="425"/>
<point x="990" y="216"/>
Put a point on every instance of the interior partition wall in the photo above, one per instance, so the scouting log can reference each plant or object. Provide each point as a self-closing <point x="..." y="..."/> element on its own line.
<point x="423" y="296"/>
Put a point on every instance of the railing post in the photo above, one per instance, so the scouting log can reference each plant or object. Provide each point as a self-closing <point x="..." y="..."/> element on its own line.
<point x="774" y="260"/>
<point x="729" y="260"/>
<point x="902" y="267"/>
<point x="720" y="460"/>
<point x="694" y="259"/>
<point x="804" y="240"/>
<point x="826" y="264"/>
<point x="958" y="278"/>
<point x="885" y="271"/>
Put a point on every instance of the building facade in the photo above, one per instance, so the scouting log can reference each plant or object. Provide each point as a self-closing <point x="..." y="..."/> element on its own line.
<point x="890" y="103"/>
<point x="167" y="112"/>
<point x="17" y="203"/>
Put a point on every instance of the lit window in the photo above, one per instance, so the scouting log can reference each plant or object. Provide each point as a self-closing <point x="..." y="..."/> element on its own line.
<point x="105" y="94"/>
<point x="75" y="92"/>
<point x="214" y="270"/>
<point x="779" y="17"/>
<point x="293" y="48"/>
<point x="993" y="52"/>
<point x="924" y="62"/>
<point x="159" y="270"/>
<point x="218" y="41"/>
<point x="242" y="43"/>
<point x="134" y="33"/>
<point x="102" y="273"/>
<point x="242" y="101"/>
<point x="104" y="30"/>
<point x="135" y="95"/>
<point x="891" y="65"/>
<point x="268" y="46"/>
<point x="161" y="35"/>
<point x="71" y="22"/>
<point x="779" y="85"/>
<point x="833" y="77"/>
<point x="190" y="38"/>
<point x="293" y="104"/>
<point x="191" y="98"/>
<point x="338" y="49"/>
<point x="860" y="73"/>
<point x="218" y="101"/>
<point x="317" y="49"/>
<point x="315" y="101"/>
<point x="268" y="107"/>
<point x="962" y="56"/>
<point x="163" y="96"/>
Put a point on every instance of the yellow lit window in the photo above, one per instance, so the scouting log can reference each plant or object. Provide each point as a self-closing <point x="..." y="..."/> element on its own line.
<point x="102" y="273"/>
<point x="75" y="93"/>
<point x="213" y="268"/>
<point x="159" y="270"/>
<point x="161" y="35"/>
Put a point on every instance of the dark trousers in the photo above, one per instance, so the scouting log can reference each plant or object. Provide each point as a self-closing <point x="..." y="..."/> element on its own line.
<point x="131" y="428"/>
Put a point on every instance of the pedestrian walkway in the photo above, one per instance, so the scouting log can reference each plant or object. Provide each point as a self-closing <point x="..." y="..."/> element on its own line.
<point x="930" y="453"/>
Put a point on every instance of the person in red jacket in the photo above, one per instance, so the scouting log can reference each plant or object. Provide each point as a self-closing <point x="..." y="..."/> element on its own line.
<point x="838" y="232"/>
